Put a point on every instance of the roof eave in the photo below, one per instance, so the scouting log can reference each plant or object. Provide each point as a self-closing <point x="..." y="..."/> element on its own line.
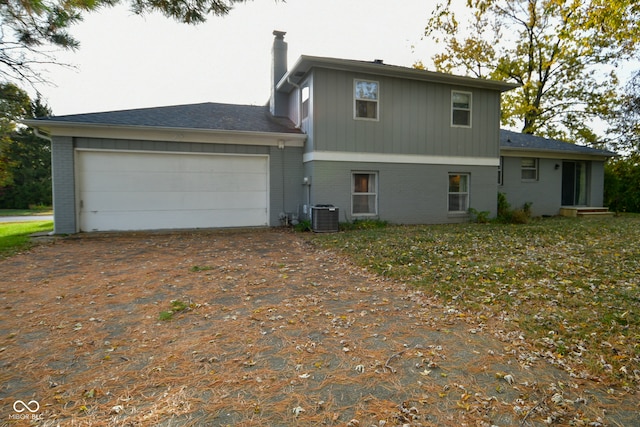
<point x="156" y="133"/>
<point x="305" y="63"/>
<point x="555" y="154"/>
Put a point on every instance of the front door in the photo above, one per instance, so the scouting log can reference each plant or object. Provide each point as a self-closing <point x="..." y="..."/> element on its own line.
<point x="574" y="183"/>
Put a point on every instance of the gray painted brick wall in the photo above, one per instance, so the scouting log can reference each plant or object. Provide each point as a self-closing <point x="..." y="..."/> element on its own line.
<point x="285" y="172"/>
<point x="64" y="199"/>
<point x="285" y="182"/>
<point x="407" y="193"/>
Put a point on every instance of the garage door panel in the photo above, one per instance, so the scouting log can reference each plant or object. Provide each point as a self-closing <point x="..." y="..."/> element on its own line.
<point x="159" y="162"/>
<point x="178" y="219"/>
<point x="133" y="191"/>
<point x="166" y="181"/>
<point x="168" y="201"/>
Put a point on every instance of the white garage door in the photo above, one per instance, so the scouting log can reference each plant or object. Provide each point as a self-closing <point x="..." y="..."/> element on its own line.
<point x="148" y="191"/>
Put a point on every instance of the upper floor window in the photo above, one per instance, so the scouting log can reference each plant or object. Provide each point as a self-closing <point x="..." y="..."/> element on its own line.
<point x="304" y="102"/>
<point x="366" y="98"/>
<point x="460" y="108"/>
<point x="529" y="169"/>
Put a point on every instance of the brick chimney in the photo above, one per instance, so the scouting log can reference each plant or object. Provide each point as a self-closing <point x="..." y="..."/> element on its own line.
<point x="278" y="103"/>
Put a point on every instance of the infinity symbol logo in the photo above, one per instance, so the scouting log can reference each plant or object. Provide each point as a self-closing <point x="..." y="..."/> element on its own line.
<point x="26" y="406"/>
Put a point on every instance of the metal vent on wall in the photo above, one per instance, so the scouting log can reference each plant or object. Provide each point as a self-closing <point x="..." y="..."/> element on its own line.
<point x="324" y="218"/>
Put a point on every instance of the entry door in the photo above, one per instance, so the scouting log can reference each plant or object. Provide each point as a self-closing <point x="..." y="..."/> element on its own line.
<point x="574" y="183"/>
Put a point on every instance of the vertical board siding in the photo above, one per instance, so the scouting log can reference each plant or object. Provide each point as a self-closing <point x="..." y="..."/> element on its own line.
<point x="414" y="118"/>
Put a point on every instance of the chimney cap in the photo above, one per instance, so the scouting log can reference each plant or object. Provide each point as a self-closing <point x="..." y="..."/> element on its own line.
<point x="279" y="34"/>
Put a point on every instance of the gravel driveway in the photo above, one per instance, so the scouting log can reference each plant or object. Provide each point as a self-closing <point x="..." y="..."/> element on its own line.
<point x="257" y="328"/>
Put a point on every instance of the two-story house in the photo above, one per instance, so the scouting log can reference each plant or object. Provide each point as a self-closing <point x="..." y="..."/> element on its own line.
<point x="375" y="140"/>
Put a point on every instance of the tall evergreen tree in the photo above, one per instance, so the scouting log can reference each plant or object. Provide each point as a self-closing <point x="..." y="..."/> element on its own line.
<point x="25" y="159"/>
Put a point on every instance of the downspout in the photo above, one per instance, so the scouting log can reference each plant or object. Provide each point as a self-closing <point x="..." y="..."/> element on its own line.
<point x="307" y="181"/>
<point x="39" y="134"/>
<point x="284" y="182"/>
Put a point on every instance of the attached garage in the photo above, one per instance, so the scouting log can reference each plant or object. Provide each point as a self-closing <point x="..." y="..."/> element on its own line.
<point x="120" y="190"/>
<point x="177" y="167"/>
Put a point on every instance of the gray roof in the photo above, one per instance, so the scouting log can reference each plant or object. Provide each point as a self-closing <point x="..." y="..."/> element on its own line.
<point x="213" y="116"/>
<point x="522" y="141"/>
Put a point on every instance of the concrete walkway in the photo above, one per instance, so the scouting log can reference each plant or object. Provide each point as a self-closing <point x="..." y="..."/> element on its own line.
<point x="26" y="218"/>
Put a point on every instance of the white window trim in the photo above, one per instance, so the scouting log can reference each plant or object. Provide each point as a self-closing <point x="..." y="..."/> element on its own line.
<point x="470" y="109"/>
<point x="374" y="193"/>
<point x="535" y="168"/>
<point x="355" y="101"/>
<point x="468" y="193"/>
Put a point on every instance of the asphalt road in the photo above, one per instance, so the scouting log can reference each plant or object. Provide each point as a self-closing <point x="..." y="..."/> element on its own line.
<point x="26" y="218"/>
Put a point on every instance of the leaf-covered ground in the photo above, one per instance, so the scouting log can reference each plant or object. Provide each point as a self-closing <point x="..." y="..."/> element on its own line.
<point x="571" y="286"/>
<point x="268" y="328"/>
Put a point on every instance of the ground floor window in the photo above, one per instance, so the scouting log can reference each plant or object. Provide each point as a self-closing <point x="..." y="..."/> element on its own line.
<point x="529" y="169"/>
<point x="364" y="194"/>
<point x="458" y="192"/>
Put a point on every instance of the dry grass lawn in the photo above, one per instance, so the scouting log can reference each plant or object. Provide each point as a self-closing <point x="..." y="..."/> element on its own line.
<point x="267" y="327"/>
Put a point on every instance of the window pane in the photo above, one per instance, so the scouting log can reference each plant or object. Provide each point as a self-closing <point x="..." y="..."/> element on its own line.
<point x="461" y="100"/>
<point x="458" y="202"/>
<point x="528" y="163"/>
<point x="366" y="90"/>
<point x="367" y="109"/>
<point x="362" y="183"/>
<point x="364" y="204"/>
<point x="458" y="183"/>
<point x="461" y="117"/>
<point x="464" y="183"/>
<point x="454" y="183"/>
<point x="529" y="174"/>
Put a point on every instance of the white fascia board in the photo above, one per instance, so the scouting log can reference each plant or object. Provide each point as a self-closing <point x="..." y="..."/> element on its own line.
<point x="550" y="154"/>
<point x="342" y="156"/>
<point x="152" y="133"/>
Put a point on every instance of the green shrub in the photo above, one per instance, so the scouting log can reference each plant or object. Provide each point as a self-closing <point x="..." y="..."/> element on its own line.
<point x="302" y="226"/>
<point x="364" y="224"/>
<point x="510" y="216"/>
<point x="503" y="206"/>
<point x="481" y="217"/>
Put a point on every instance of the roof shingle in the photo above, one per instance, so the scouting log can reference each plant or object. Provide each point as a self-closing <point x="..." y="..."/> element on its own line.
<point x="213" y="116"/>
<point x="523" y="141"/>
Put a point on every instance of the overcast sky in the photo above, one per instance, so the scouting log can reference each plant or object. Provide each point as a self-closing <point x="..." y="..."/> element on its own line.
<point x="127" y="61"/>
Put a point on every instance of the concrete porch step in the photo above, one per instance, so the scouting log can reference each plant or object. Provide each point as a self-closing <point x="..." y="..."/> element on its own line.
<point x="585" y="211"/>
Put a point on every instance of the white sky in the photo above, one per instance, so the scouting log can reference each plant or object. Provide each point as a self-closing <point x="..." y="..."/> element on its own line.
<point x="127" y="61"/>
